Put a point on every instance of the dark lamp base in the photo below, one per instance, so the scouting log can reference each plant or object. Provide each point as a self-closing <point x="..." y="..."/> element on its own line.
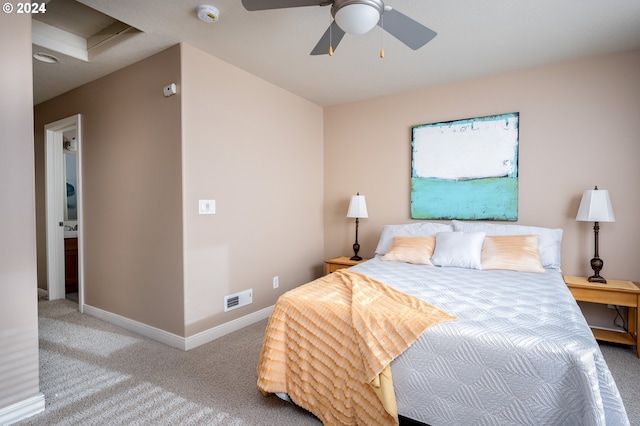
<point x="356" y="249"/>
<point x="596" y="265"/>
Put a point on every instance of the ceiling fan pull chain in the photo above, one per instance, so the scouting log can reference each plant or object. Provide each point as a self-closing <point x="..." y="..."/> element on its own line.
<point x="382" y="37"/>
<point x="330" y="36"/>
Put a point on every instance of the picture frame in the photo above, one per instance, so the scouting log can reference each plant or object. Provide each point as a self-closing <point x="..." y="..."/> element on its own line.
<point x="466" y="169"/>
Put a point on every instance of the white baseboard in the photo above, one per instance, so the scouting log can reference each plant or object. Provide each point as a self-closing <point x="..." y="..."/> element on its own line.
<point x="173" y="340"/>
<point x="43" y="293"/>
<point x="21" y="410"/>
<point x="226" y="328"/>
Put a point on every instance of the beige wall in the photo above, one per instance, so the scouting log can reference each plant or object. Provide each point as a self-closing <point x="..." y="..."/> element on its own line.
<point x="282" y="169"/>
<point x="257" y="151"/>
<point x="228" y="136"/>
<point x="19" y="366"/>
<point x="132" y="191"/>
<point x="579" y="127"/>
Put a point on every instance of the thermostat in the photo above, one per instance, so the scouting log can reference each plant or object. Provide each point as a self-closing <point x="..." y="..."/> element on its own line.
<point x="171" y="89"/>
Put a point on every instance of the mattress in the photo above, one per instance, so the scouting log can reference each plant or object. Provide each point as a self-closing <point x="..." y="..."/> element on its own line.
<point x="520" y="353"/>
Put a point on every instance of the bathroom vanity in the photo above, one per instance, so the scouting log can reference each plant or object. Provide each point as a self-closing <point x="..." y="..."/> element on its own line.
<point x="71" y="265"/>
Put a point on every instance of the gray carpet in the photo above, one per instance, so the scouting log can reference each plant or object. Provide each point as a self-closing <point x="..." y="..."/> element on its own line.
<point x="625" y="368"/>
<point x="94" y="373"/>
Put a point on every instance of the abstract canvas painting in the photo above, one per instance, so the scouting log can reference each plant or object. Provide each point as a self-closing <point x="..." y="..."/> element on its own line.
<point x="466" y="169"/>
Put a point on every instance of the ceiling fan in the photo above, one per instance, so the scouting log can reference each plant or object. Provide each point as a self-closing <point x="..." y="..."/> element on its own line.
<point x="355" y="17"/>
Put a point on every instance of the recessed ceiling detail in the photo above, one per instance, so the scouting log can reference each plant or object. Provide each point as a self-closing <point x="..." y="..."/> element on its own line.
<point x="74" y="29"/>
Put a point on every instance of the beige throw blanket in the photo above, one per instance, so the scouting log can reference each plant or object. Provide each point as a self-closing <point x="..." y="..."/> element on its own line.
<point x="329" y="345"/>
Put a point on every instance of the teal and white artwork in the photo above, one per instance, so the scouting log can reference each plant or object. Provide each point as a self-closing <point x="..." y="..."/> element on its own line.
<point x="466" y="169"/>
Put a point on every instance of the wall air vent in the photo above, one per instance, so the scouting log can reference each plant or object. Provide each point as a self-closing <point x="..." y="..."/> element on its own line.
<point x="238" y="300"/>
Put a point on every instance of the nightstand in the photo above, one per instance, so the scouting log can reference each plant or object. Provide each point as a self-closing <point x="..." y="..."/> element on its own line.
<point x="336" y="263"/>
<point x="614" y="292"/>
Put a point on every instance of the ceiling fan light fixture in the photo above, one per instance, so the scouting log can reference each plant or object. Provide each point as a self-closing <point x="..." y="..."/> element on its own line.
<point x="357" y="17"/>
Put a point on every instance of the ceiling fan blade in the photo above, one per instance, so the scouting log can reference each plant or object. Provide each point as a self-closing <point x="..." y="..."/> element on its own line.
<point x="334" y="34"/>
<point x="410" y="32"/>
<point x="252" y="5"/>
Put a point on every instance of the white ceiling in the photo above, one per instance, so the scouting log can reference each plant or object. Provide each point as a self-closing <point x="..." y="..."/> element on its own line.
<point x="475" y="38"/>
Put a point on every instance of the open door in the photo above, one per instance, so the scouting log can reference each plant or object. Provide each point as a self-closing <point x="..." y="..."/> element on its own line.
<point x="57" y="204"/>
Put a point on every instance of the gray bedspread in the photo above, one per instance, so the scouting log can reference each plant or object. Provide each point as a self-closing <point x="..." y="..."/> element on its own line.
<point x="521" y="352"/>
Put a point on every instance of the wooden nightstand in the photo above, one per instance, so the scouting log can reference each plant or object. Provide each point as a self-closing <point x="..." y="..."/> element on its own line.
<point x="614" y="292"/>
<point x="336" y="263"/>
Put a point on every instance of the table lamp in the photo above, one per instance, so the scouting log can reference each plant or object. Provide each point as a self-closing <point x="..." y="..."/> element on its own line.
<point x="357" y="209"/>
<point x="595" y="206"/>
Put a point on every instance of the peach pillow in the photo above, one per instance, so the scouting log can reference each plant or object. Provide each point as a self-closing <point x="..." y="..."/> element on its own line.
<point x="512" y="252"/>
<point x="417" y="250"/>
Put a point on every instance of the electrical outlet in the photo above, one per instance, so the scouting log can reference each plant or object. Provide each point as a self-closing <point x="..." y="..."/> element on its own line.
<point x="276" y="282"/>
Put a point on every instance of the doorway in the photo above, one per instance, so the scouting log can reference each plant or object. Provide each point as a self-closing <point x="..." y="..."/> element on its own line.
<point x="63" y="194"/>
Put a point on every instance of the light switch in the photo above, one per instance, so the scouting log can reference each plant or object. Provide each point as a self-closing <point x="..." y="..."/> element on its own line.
<point x="207" y="207"/>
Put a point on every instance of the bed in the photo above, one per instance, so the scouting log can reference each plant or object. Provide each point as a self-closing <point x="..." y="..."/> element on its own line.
<point x="516" y="350"/>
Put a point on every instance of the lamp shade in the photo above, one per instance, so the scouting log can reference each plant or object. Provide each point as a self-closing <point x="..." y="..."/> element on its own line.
<point x="595" y="207"/>
<point x="357" y="207"/>
<point x="357" y="18"/>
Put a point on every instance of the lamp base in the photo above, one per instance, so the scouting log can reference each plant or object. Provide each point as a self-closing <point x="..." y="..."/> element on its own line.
<point x="596" y="279"/>
<point x="356" y="249"/>
<point x="596" y="265"/>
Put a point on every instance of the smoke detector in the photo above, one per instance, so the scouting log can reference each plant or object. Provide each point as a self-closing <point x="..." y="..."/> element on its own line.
<point x="208" y="13"/>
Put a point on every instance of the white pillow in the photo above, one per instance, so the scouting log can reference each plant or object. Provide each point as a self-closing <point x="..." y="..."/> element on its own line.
<point x="550" y="239"/>
<point x="417" y="229"/>
<point x="461" y="249"/>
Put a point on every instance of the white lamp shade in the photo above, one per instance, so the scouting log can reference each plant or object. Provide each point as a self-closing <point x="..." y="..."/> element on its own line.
<point x="357" y="207"/>
<point x="595" y="207"/>
<point x="357" y="19"/>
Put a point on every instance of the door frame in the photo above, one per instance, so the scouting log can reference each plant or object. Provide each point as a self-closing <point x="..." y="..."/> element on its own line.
<point x="54" y="187"/>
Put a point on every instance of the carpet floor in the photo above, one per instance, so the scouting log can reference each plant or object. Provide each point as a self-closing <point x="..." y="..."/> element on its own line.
<point x="94" y="373"/>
